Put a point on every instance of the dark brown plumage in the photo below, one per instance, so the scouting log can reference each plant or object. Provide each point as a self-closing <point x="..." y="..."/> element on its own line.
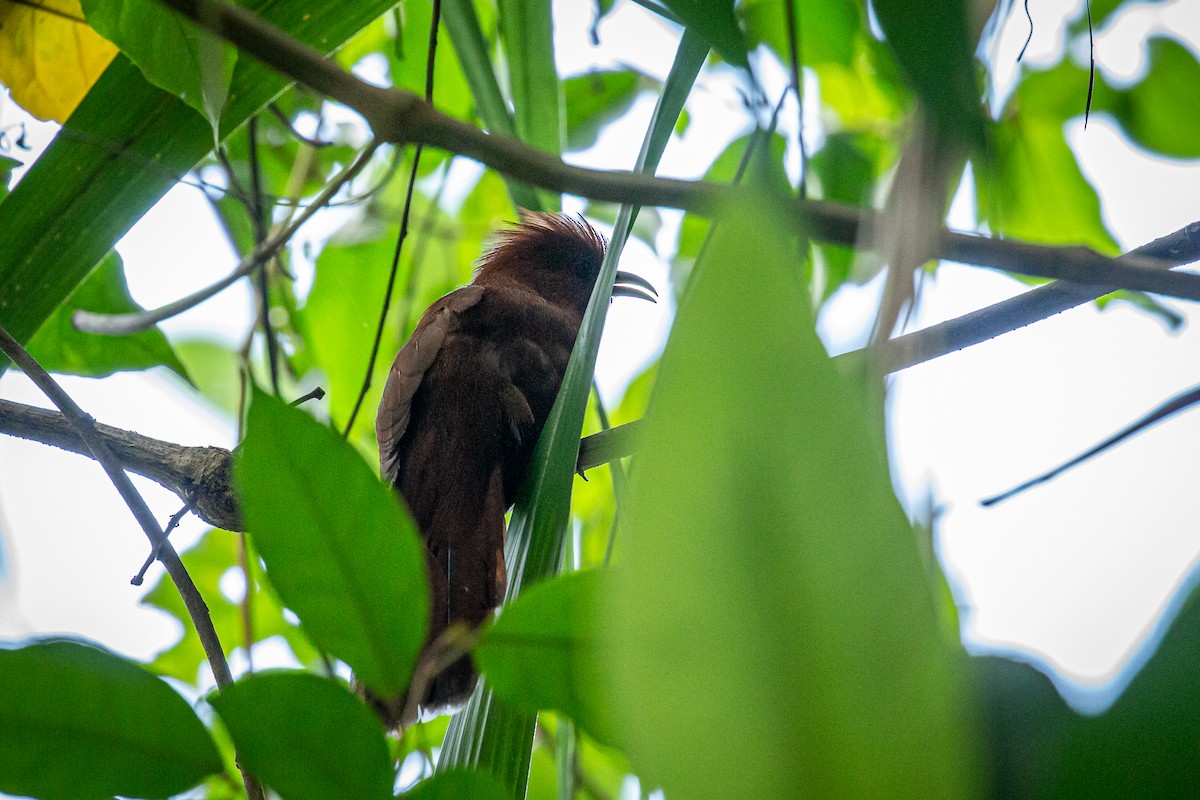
<point x="465" y="402"/>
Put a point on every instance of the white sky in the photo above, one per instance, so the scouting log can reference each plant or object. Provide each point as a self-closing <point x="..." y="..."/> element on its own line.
<point x="1072" y="573"/>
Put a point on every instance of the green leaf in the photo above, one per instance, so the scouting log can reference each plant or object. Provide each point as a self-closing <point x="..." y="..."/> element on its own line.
<point x="595" y="99"/>
<point x="339" y="549"/>
<point x="456" y="784"/>
<point x="542" y="653"/>
<point x="1161" y="112"/>
<point x="775" y="571"/>
<point x="214" y="368"/>
<point x="488" y="733"/>
<point x="306" y="737"/>
<point x="932" y="41"/>
<point x="1144" y="745"/>
<point x="126" y="144"/>
<point x="171" y="51"/>
<point x="60" y="348"/>
<point x="1034" y="190"/>
<point x="715" y="22"/>
<point x="81" y="722"/>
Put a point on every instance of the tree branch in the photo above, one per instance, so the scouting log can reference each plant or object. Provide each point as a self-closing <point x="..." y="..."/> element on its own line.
<point x="201" y="476"/>
<point x="402" y="117"/>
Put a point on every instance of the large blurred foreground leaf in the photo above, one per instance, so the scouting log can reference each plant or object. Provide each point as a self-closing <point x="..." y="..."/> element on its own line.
<point x="338" y="547"/>
<point x="77" y="721"/>
<point x="1144" y="746"/>
<point x="773" y="610"/>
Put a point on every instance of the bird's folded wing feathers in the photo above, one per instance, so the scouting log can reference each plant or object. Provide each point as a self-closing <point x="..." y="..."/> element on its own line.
<point x="408" y="371"/>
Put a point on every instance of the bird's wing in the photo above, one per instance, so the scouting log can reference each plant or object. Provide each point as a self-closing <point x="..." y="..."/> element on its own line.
<point x="408" y="371"/>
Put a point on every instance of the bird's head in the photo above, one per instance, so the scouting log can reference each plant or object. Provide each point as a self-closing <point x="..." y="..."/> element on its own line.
<point x="556" y="256"/>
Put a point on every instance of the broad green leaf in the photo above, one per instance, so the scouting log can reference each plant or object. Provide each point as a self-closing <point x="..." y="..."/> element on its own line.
<point x="456" y="784"/>
<point x="126" y="144"/>
<point x="543" y="652"/>
<point x="933" y="42"/>
<point x="306" y="737"/>
<point x="49" y="57"/>
<point x="208" y="561"/>
<point x="595" y="99"/>
<point x="77" y="721"/>
<point x="487" y="733"/>
<point x="171" y="51"/>
<point x="1144" y="745"/>
<point x="1034" y="190"/>
<point x="60" y="348"/>
<point x="769" y="568"/>
<point x="339" y="549"/>
<point x="716" y="24"/>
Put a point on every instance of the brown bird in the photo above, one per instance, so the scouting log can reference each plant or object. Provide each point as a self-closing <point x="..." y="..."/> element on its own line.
<point x="464" y="404"/>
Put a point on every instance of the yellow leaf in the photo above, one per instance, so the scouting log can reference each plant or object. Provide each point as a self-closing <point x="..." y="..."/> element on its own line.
<point x="49" y="57"/>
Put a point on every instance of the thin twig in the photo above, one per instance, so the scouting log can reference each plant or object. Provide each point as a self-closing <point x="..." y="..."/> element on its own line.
<point x="1178" y="403"/>
<point x="121" y="324"/>
<point x="793" y="23"/>
<point x="85" y="427"/>
<point x="312" y="142"/>
<point x="260" y="221"/>
<point x="403" y="234"/>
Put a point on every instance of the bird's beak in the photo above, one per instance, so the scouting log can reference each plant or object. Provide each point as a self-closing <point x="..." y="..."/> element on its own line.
<point x="630" y="285"/>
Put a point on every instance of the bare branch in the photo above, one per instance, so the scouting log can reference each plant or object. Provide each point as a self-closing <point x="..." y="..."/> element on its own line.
<point x="199" y="475"/>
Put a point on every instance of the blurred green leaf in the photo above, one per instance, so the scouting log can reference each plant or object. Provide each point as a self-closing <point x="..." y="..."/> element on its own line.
<point x="339" y="549"/>
<point x="306" y="737"/>
<point x="932" y="41"/>
<point x="172" y="52"/>
<point x="60" y="348"/>
<point x="827" y="28"/>
<point x="595" y="99"/>
<point x="1161" y="112"/>
<point x="715" y="22"/>
<point x="214" y="368"/>
<point x="1034" y="190"/>
<point x="744" y="572"/>
<point x="846" y="168"/>
<point x="81" y="722"/>
<point x="1144" y="745"/>
<point x="208" y="562"/>
<point x="458" y="783"/>
<point x="542" y="652"/>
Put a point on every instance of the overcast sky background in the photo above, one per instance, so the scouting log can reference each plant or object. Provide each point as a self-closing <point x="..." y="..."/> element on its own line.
<point x="1074" y="574"/>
